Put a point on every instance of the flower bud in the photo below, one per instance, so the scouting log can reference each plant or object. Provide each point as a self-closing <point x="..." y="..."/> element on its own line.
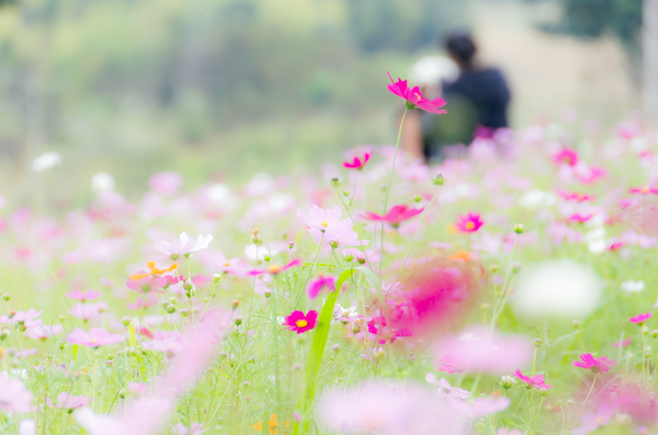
<point x="575" y="324"/>
<point x="335" y="347"/>
<point x="4" y="334"/>
<point x="438" y="180"/>
<point x="61" y="317"/>
<point x="267" y="293"/>
<point x="6" y="297"/>
<point x="346" y="193"/>
<point x="417" y="198"/>
<point x="235" y="303"/>
<point x="171" y="309"/>
<point x="654" y="333"/>
<point x="645" y="329"/>
<point x="126" y="321"/>
<point x="537" y="342"/>
<point x="254" y="237"/>
<point x="217" y="278"/>
<point x="494" y="268"/>
<point x="333" y="244"/>
<point x="507" y="382"/>
<point x="518" y="228"/>
<point x="291" y="245"/>
<point x="335" y="180"/>
<point x="267" y="258"/>
<point x="237" y="321"/>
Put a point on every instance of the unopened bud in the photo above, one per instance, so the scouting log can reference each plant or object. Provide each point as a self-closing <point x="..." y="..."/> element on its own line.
<point x="335" y="347"/>
<point x="438" y="180"/>
<point x="4" y="334"/>
<point x="507" y="382"/>
<point x="6" y="297"/>
<point x="333" y="244"/>
<point x="237" y="321"/>
<point x="267" y="293"/>
<point x="267" y="258"/>
<point x="645" y="329"/>
<point x="171" y="309"/>
<point x="346" y="193"/>
<point x="519" y="228"/>
<point x="335" y="180"/>
<point x="61" y="317"/>
<point x="417" y="198"/>
<point x="654" y="333"/>
<point x="126" y="321"/>
<point x="494" y="268"/>
<point x="235" y="303"/>
<point x="537" y="342"/>
<point x="291" y="245"/>
<point x="575" y="324"/>
<point x="217" y="278"/>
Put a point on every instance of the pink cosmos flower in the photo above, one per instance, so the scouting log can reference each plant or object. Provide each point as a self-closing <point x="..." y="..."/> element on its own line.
<point x="622" y="343"/>
<point x="469" y="223"/>
<point x="445" y="389"/>
<point x="83" y="296"/>
<point x="94" y="338"/>
<point x="477" y="349"/>
<point x="388" y="408"/>
<point x="14" y="397"/>
<point x="344" y="238"/>
<point x="566" y="155"/>
<point x="415" y="98"/>
<point x="536" y="381"/>
<point x="166" y="341"/>
<point x="43" y="332"/>
<point x="324" y="221"/>
<point x="88" y="311"/>
<point x="299" y="322"/>
<point x="67" y="401"/>
<point x="25" y="317"/>
<point x="644" y="190"/>
<point x="596" y="365"/>
<point x="275" y="268"/>
<point x="316" y="285"/>
<point x="194" y="429"/>
<point x="395" y="215"/>
<point x="150" y="300"/>
<point x="592" y="421"/>
<point x="616" y="245"/>
<point x="641" y="318"/>
<point x="575" y="196"/>
<point x="480" y="407"/>
<point x="166" y="183"/>
<point x="361" y="257"/>
<point x="359" y="161"/>
<point x="580" y="218"/>
<point x="449" y="364"/>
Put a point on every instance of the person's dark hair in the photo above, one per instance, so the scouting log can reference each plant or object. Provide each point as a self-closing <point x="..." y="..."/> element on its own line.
<point x="461" y="46"/>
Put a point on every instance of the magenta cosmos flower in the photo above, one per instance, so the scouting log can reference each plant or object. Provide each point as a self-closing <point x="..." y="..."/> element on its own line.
<point x="565" y="155"/>
<point x="641" y="318"/>
<point x="536" y="381"/>
<point x="299" y="322"/>
<point x="596" y="365"/>
<point x="317" y="284"/>
<point x="358" y="162"/>
<point x="94" y="338"/>
<point x="415" y="98"/>
<point x="395" y="215"/>
<point x="644" y="190"/>
<point x="275" y="268"/>
<point x="469" y="223"/>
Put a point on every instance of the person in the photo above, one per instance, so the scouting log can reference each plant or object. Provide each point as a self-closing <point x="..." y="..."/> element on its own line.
<point x="477" y="102"/>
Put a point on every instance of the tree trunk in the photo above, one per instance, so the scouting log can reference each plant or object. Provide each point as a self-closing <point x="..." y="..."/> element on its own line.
<point x="650" y="58"/>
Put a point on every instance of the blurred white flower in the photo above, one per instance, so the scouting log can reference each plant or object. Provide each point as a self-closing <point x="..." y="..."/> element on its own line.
<point x="557" y="288"/>
<point x="631" y="286"/>
<point x="46" y="161"/>
<point x="537" y="198"/>
<point x="102" y="182"/>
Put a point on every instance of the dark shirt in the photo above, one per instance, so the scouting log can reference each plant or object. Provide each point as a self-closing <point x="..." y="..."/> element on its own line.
<point x="488" y="92"/>
<point x="476" y="98"/>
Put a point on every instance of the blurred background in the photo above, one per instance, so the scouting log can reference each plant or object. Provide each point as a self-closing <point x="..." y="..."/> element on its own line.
<point x="222" y="89"/>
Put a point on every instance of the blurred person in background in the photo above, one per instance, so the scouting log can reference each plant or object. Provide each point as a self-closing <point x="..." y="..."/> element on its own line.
<point x="477" y="101"/>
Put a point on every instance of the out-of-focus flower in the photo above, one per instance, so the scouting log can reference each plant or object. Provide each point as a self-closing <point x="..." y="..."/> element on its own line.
<point x="396" y="215"/>
<point x="46" y="161"/>
<point x="631" y="286"/>
<point x="361" y="257"/>
<point x="445" y="389"/>
<point x="166" y="341"/>
<point x="275" y="269"/>
<point x="388" y="409"/>
<point x="102" y="182"/>
<point x="193" y="429"/>
<point x="27" y="427"/>
<point x="166" y="183"/>
<point x="566" y="155"/>
<point x="469" y="223"/>
<point x="43" y="332"/>
<point x="358" y="162"/>
<point x="557" y="288"/>
<point x="479" y="350"/>
<point x="580" y="218"/>
<point x="316" y="285"/>
<point x="415" y="98"/>
<point x="83" y="296"/>
<point x="94" y="338"/>
<point x="152" y="273"/>
<point x="644" y="190"/>
<point x="67" y="401"/>
<point x="299" y="322"/>
<point x="324" y="221"/>
<point x="594" y="420"/>
<point x="596" y="365"/>
<point x="536" y="381"/>
<point x="641" y="318"/>
<point x="480" y="407"/>
<point x="622" y="343"/>
<point x="184" y="246"/>
<point x="14" y="397"/>
<point x="88" y="311"/>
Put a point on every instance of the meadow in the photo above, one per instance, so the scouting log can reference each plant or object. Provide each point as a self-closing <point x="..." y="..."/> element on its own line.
<point x="506" y="290"/>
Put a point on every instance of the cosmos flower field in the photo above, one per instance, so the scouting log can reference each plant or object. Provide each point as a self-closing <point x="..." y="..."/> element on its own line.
<point x="509" y="290"/>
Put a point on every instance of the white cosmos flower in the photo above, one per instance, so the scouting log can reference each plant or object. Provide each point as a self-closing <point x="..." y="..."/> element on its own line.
<point x="557" y="288"/>
<point x="46" y="161"/>
<point x="631" y="286"/>
<point x="102" y="182"/>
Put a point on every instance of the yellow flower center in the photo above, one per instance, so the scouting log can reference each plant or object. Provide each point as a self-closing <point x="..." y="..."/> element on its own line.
<point x="645" y="189"/>
<point x="470" y="225"/>
<point x="324" y="223"/>
<point x="301" y="323"/>
<point x="274" y="268"/>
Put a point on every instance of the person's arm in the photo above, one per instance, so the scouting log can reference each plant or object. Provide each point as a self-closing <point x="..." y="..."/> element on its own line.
<point x="412" y="134"/>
